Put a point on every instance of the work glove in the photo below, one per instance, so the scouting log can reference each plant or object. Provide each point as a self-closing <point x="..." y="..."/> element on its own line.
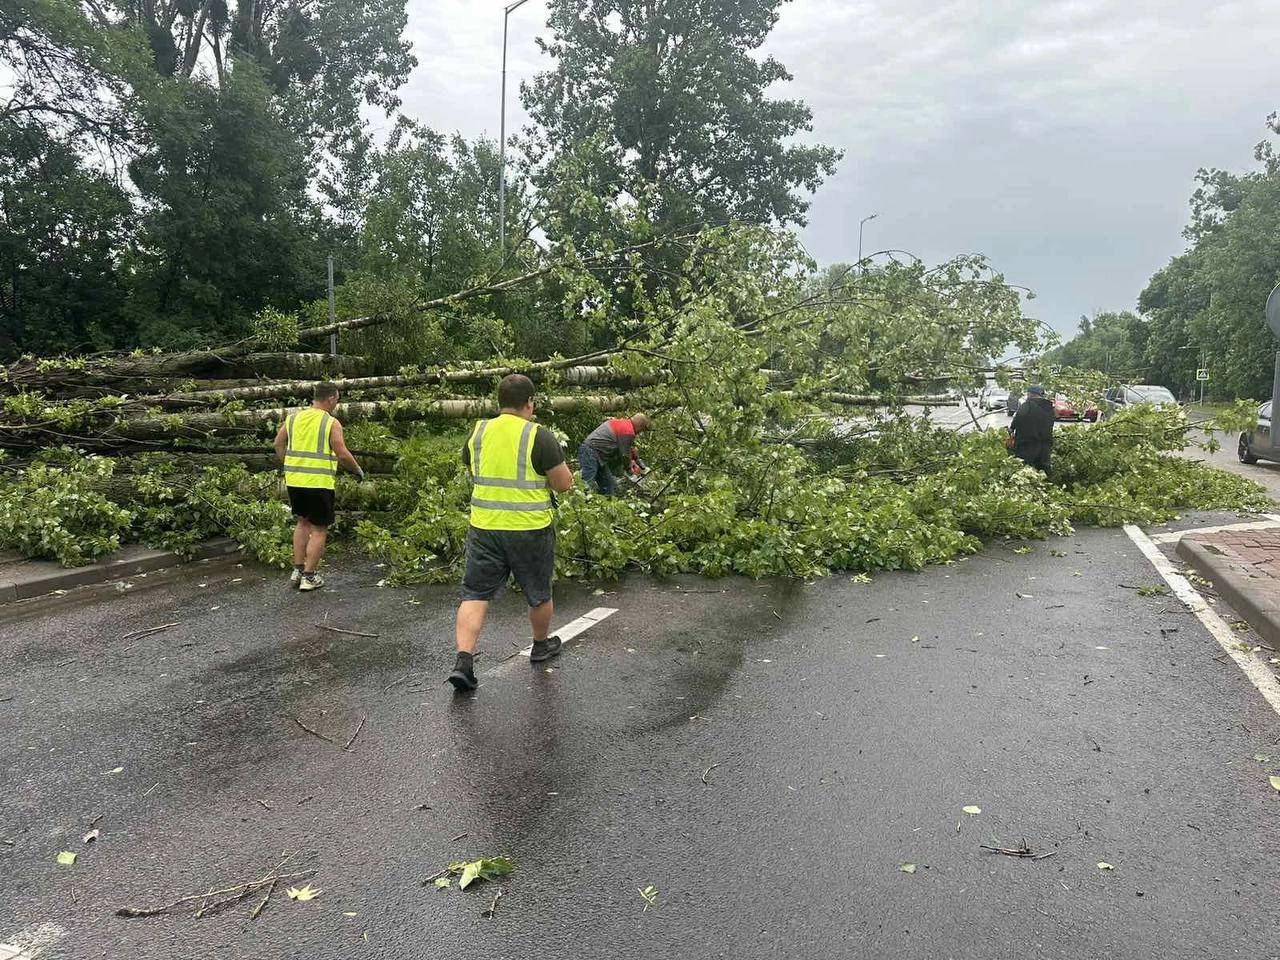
<point x="635" y="468"/>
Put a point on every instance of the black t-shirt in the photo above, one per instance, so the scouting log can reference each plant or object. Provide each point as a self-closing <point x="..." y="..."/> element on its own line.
<point x="547" y="454"/>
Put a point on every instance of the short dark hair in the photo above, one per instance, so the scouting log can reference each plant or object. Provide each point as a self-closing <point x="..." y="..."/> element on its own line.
<point x="514" y="391"/>
<point x="324" y="391"/>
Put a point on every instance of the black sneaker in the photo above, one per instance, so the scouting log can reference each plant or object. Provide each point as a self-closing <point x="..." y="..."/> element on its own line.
<point x="462" y="680"/>
<point x="544" y="649"/>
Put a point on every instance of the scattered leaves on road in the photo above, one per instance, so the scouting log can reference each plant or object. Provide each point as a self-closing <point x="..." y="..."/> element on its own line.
<point x="110" y="773"/>
<point x="1022" y="550"/>
<point x="487" y="868"/>
<point x="1262" y="758"/>
<point x="1155" y="590"/>
<point x="91" y="836"/>
<point x="972" y="811"/>
<point x="443" y="883"/>
<point x="1275" y="782"/>
<point x="66" y="858"/>
<point x="650" y="894"/>
<point x="303" y="894"/>
<point x="908" y="868"/>
<point x="1103" y="865"/>
<point x="1057" y="553"/>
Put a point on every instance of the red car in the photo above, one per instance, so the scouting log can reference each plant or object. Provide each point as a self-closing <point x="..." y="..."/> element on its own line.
<point x="1064" y="409"/>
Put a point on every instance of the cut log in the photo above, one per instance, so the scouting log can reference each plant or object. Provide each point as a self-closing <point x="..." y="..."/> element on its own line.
<point x="573" y="376"/>
<point x="164" y="431"/>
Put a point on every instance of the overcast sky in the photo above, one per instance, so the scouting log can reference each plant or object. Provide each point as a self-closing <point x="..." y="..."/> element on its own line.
<point x="1058" y="137"/>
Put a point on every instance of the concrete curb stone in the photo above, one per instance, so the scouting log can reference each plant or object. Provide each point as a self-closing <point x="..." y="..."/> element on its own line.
<point x="1252" y="595"/>
<point x="27" y="581"/>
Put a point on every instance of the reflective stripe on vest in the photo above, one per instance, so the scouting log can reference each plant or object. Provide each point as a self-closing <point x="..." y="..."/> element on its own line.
<point x="309" y="460"/>
<point x="507" y="493"/>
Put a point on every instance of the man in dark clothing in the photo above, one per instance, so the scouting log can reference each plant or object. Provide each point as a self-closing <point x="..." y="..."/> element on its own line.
<point x="613" y="440"/>
<point x="1032" y="429"/>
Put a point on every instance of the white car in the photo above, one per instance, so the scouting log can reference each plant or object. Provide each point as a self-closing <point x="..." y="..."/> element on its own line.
<point x="993" y="398"/>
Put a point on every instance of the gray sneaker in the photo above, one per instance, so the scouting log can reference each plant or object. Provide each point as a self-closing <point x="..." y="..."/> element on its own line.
<point x="295" y="578"/>
<point x="311" y="581"/>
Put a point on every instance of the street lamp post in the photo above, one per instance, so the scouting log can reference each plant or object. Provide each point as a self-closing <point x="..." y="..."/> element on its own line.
<point x="502" y="135"/>
<point x="862" y="223"/>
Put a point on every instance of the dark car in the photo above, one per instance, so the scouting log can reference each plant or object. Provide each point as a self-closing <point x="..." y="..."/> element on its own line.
<point x="1260" y="443"/>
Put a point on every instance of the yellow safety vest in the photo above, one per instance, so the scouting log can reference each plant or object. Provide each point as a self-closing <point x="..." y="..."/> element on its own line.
<point x="309" y="460"/>
<point x="507" y="493"/>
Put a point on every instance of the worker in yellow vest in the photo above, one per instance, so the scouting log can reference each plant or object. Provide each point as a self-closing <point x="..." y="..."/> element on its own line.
<point x="311" y="446"/>
<point x="515" y="467"/>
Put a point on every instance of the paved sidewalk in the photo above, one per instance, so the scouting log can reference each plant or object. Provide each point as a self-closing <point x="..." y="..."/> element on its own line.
<point x="1244" y="566"/>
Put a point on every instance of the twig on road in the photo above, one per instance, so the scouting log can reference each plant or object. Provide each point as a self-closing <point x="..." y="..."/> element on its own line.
<point x="262" y="906"/>
<point x="140" y="634"/>
<point x="1023" y="852"/>
<point x="229" y="895"/>
<point x="347" y="745"/>
<point x="493" y="907"/>
<point x="349" y="633"/>
<point x="460" y="836"/>
<point x="706" y="772"/>
<point x="314" y="733"/>
<point x="435" y="876"/>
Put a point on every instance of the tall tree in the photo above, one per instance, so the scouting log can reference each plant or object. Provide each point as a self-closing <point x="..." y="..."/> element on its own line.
<point x="229" y="226"/>
<point x="675" y="93"/>
<point x="62" y="227"/>
<point x="323" y="59"/>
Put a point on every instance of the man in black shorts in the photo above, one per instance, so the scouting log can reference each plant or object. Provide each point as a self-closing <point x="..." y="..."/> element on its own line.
<point x="516" y="465"/>
<point x="311" y="445"/>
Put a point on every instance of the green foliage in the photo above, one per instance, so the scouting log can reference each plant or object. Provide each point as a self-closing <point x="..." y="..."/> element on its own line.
<point x="275" y="330"/>
<point x="50" y="511"/>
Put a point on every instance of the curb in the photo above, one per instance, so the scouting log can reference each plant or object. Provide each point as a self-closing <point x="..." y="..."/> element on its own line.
<point x="1251" y="595"/>
<point x="40" y="582"/>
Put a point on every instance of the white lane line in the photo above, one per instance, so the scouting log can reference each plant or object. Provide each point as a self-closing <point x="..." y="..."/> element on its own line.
<point x="1272" y="521"/>
<point x="1258" y="673"/>
<point x="578" y="627"/>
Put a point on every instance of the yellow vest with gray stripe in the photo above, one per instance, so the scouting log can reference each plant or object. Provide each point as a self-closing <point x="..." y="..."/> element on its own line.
<point x="309" y="460"/>
<point x="507" y="493"/>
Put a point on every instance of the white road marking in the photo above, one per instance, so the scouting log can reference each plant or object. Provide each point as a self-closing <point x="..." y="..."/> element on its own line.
<point x="1257" y="672"/>
<point x="1272" y="521"/>
<point x="30" y="944"/>
<point x="578" y="627"/>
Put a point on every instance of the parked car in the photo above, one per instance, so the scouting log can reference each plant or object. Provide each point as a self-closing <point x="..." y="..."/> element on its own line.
<point x="1064" y="409"/>
<point x="993" y="398"/>
<point x="1260" y="443"/>
<point x="1121" y="398"/>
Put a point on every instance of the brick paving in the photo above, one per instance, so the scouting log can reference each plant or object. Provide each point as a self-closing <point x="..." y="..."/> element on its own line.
<point x="1257" y="549"/>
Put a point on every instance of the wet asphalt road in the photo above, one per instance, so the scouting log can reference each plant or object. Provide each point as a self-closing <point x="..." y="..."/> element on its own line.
<point x="841" y="728"/>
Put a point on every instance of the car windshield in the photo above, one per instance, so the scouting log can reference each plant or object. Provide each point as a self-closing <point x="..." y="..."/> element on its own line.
<point x="1265" y="412"/>
<point x="1148" y="394"/>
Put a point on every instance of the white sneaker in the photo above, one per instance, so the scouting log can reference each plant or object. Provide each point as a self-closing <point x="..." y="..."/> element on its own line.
<point x="295" y="577"/>
<point x="311" y="581"/>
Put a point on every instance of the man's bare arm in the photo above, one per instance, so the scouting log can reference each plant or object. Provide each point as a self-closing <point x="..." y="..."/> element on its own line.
<point x="339" y="444"/>
<point x="281" y="442"/>
<point x="560" y="477"/>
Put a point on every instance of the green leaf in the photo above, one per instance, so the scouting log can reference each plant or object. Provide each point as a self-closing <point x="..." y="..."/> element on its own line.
<point x="908" y="868"/>
<point x="66" y="858"/>
<point x="972" y="810"/>
<point x="1103" y="865"/>
<point x="1275" y="782"/>
<point x="443" y="883"/>
<point x="489" y="868"/>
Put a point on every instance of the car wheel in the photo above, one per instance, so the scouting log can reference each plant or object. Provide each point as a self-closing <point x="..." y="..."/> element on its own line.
<point x="1246" y="456"/>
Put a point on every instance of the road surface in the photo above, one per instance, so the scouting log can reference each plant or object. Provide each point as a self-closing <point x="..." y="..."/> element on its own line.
<point x="767" y="757"/>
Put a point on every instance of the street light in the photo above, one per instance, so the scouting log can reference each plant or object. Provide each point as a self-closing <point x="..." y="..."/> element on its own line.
<point x="502" y="135"/>
<point x="861" y="224"/>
